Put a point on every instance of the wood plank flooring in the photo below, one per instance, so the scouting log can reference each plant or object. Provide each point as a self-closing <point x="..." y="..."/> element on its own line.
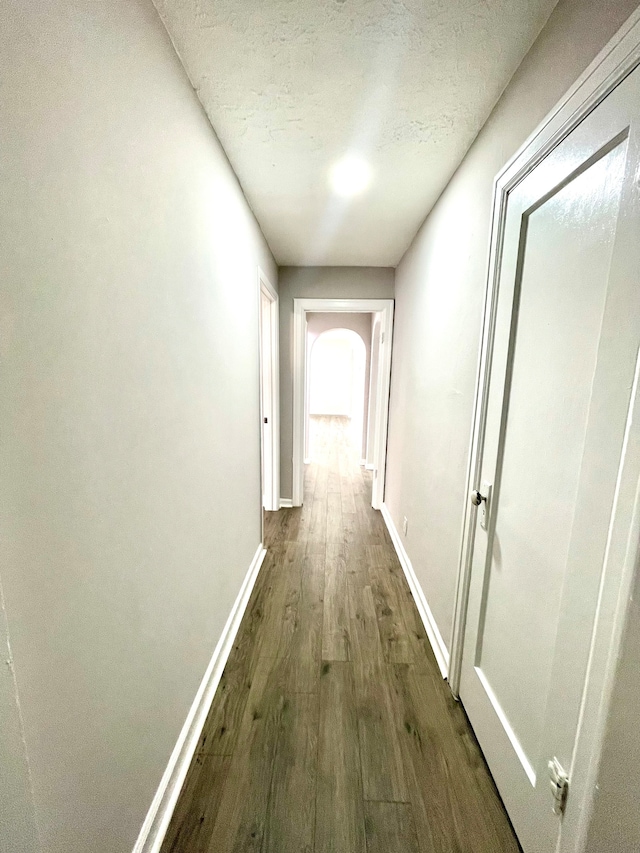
<point x="332" y="730"/>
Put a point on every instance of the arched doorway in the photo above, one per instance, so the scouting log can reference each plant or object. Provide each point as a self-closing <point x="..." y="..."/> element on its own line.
<point x="337" y="387"/>
<point x="380" y="313"/>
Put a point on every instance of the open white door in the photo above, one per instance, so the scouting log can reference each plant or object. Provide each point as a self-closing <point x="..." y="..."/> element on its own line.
<point x="561" y="384"/>
<point x="373" y="393"/>
<point x="269" y="394"/>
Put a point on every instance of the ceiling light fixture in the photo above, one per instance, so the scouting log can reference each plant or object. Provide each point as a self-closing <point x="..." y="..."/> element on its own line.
<point x="350" y="176"/>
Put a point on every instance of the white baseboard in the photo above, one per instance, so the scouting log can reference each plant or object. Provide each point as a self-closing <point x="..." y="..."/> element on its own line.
<point x="285" y="503"/>
<point x="157" y="821"/>
<point x="435" y="637"/>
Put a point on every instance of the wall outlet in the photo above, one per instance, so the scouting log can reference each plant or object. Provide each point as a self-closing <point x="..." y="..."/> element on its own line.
<point x="405" y="525"/>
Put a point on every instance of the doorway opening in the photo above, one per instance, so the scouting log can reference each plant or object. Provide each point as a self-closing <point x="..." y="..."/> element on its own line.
<point x="338" y="385"/>
<point x="342" y="368"/>
<point x="337" y="391"/>
<point x="269" y="394"/>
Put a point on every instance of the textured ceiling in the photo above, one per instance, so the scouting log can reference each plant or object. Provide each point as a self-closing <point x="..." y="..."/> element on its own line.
<point x="290" y="86"/>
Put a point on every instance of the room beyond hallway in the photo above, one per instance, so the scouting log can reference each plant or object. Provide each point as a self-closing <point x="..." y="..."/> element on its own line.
<point x="332" y="729"/>
<point x="339" y="374"/>
<point x="332" y="445"/>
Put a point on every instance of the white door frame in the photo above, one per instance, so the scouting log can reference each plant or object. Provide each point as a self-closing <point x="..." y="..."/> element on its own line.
<point x="270" y="490"/>
<point x="360" y="306"/>
<point x="615" y="62"/>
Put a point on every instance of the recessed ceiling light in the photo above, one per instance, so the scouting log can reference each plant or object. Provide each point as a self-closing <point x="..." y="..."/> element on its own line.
<point x="350" y="176"/>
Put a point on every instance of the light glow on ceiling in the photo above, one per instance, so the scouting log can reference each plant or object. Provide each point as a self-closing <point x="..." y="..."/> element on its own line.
<point x="350" y="176"/>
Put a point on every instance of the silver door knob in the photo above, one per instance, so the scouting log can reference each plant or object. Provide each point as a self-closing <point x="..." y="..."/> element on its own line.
<point x="477" y="498"/>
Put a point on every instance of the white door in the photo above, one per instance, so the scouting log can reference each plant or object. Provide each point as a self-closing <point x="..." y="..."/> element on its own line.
<point x="269" y="395"/>
<point x="567" y="332"/>
<point x="373" y="391"/>
<point x="266" y="396"/>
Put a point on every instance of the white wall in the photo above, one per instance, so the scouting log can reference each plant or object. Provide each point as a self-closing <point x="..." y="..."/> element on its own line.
<point x="315" y="283"/>
<point x="18" y="831"/>
<point x="439" y="291"/>
<point x="130" y="501"/>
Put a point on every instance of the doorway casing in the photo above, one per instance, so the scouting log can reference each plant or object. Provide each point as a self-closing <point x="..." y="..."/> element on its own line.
<point x="384" y="309"/>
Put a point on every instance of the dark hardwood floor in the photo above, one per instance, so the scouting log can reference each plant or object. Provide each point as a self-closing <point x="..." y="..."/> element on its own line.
<point x="332" y="730"/>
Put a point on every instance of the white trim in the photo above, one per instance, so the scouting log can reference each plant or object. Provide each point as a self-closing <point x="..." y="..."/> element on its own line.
<point x="620" y="56"/>
<point x="433" y="633"/>
<point x="265" y="287"/>
<point x="385" y="308"/>
<point x="286" y="503"/>
<point x="157" y="820"/>
<point x="616" y="591"/>
<point x="506" y="725"/>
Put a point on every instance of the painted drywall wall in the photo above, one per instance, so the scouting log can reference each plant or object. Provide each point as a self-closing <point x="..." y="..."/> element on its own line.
<point x="130" y="505"/>
<point x="18" y="830"/>
<point x="439" y="292"/>
<point x="318" y="322"/>
<point x="315" y="283"/>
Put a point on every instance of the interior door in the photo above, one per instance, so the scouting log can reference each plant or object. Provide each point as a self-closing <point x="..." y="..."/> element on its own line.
<point x="266" y="396"/>
<point x="567" y="332"/>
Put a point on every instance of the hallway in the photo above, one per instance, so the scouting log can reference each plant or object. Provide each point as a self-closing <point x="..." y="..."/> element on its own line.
<point x="332" y="729"/>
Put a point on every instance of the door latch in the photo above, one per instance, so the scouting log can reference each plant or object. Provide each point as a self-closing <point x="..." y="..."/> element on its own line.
<point x="482" y="499"/>
<point x="559" y="782"/>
